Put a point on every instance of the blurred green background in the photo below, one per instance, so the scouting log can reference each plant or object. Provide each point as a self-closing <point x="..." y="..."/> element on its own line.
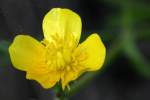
<point x="124" y="26"/>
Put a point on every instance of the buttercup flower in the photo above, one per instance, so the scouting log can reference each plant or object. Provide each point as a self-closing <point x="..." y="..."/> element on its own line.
<point x="59" y="56"/>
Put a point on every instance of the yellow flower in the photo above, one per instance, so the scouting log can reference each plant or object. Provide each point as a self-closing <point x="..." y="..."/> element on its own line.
<point x="59" y="57"/>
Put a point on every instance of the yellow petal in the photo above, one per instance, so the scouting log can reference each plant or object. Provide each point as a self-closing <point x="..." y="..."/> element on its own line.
<point x="62" y="24"/>
<point x="71" y="74"/>
<point x="88" y="56"/>
<point x="91" y="53"/>
<point x="46" y="78"/>
<point x="26" y="52"/>
<point x="67" y="76"/>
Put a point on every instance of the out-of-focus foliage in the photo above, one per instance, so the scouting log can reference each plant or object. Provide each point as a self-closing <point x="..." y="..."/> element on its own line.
<point x="130" y="25"/>
<point x="4" y="57"/>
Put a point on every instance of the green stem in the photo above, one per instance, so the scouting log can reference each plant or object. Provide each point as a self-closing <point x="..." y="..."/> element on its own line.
<point x="59" y="93"/>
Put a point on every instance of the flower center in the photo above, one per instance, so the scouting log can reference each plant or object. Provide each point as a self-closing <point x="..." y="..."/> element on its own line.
<point x="61" y="55"/>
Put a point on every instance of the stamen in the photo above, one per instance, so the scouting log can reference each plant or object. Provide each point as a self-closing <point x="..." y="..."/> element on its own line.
<point x="59" y="54"/>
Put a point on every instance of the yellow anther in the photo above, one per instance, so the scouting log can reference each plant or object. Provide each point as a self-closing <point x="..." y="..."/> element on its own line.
<point x="68" y="68"/>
